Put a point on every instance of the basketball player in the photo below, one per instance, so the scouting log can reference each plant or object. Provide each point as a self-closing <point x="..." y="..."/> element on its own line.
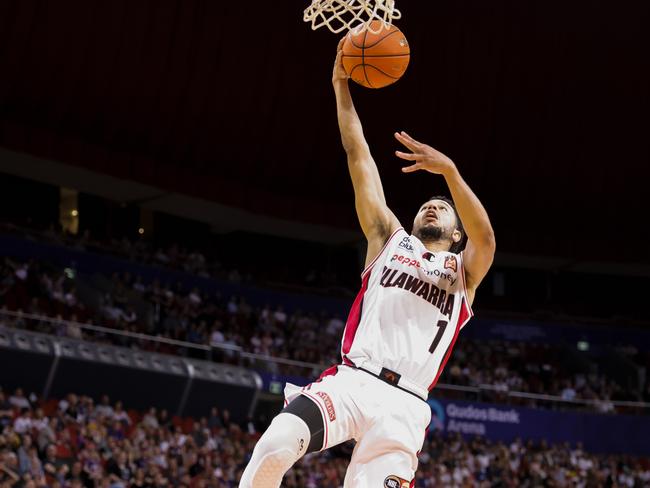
<point x="415" y="297"/>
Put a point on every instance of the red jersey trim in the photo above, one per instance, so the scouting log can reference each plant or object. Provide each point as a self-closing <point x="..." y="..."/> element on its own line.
<point x="347" y="362"/>
<point x="331" y="371"/>
<point x="354" y="317"/>
<point x="463" y="317"/>
<point x="462" y="275"/>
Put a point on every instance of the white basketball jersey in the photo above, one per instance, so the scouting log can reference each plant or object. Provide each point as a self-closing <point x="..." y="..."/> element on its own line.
<point x="408" y="314"/>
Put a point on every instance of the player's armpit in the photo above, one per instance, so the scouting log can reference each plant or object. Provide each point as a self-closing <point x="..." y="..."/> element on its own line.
<point x="378" y="234"/>
<point x="375" y="246"/>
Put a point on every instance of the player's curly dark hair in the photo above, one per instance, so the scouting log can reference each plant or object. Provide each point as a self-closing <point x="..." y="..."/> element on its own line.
<point x="456" y="247"/>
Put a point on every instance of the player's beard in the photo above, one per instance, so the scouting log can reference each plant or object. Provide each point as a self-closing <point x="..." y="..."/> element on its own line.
<point x="430" y="233"/>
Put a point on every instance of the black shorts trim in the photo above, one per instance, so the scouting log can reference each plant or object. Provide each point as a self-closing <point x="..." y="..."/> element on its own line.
<point x="306" y="409"/>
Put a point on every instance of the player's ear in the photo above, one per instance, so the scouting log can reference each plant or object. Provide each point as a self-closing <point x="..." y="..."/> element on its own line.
<point x="456" y="236"/>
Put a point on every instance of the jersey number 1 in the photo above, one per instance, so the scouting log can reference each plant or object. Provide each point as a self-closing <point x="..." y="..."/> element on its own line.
<point x="442" y="325"/>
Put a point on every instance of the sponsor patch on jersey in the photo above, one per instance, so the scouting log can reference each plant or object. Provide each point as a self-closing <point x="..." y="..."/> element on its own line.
<point x="451" y="263"/>
<point x="329" y="406"/>
<point x="429" y="256"/>
<point x="405" y="243"/>
<point x="395" y="482"/>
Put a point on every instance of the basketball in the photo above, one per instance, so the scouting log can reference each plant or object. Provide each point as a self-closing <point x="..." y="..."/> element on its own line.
<point x="376" y="60"/>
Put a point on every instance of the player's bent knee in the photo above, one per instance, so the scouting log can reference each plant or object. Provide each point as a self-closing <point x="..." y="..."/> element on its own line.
<point x="286" y="431"/>
<point x="309" y="412"/>
<point x="283" y="443"/>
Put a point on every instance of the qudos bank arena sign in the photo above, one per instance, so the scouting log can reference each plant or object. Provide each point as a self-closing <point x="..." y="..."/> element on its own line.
<point x="597" y="432"/>
<point x="471" y="419"/>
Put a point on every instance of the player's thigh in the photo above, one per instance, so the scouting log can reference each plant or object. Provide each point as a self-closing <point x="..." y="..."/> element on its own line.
<point x="390" y="470"/>
<point x="386" y="454"/>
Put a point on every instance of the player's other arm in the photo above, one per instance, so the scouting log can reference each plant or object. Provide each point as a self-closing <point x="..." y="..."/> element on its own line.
<point x="376" y="219"/>
<point x="481" y="244"/>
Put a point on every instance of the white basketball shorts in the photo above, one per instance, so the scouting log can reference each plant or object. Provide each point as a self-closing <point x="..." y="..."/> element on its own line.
<point x="388" y="424"/>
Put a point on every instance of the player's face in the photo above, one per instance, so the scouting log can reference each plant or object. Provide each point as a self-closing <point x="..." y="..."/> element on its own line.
<point x="435" y="221"/>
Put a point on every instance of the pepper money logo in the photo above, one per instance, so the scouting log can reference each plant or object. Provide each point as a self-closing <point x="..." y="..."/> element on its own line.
<point x="437" y="415"/>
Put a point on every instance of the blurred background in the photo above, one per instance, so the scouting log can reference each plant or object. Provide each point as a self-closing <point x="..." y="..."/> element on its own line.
<point x="178" y="236"/>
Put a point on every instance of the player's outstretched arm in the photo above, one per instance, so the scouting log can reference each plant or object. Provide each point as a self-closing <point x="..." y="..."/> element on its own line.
<point x="376" y="219"/>
<point x="479" y="252"/>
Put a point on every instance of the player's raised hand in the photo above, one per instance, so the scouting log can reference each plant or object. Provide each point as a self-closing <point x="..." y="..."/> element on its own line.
<point x="339" y="73"/>
<point x="423" y="157"/>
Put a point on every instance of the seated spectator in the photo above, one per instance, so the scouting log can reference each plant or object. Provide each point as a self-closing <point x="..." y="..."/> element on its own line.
<point x="23" y="423"/>
<point x="70" y="297"/>
<point x="9" y="469"/>
<point x="214" y="421"/>
<point x="568" y="392"/>
<point x="129" y="316"/>
<point x="280" y="316"/>
<point x="216" y="337"/>
<point x="116" y="431"/>
<point x="104" y="408"/>
<point x="120" y="469"/>
<point x="119" y="415"/>
<point x="6" y="411"/>
<point x="150" y="419"/>
<point x="72" y="328"/>
<point x="138" y="285"/>
<point x="68" y="406"/>
<point x="47" y="434"/>
<point x="18" y="400"/>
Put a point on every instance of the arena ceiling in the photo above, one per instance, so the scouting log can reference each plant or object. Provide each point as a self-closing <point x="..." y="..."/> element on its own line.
<point x="543" y="105"/>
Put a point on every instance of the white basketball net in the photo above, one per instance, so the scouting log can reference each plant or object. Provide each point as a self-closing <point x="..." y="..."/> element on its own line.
<point x="339" y="15"/>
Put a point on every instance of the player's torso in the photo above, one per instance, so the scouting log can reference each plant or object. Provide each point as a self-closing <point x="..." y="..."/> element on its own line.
<point x="409" y="312"/>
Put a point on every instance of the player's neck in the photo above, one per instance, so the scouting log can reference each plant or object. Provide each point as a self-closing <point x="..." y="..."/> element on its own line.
<point x="437" y="246"/>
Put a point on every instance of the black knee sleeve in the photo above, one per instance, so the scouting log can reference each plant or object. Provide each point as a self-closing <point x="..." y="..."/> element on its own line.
<point x="309" y="412"/>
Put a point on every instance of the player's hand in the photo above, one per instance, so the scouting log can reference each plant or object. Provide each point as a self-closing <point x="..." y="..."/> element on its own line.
<point x="423" y="157"/>
<point x="339" y="73"/>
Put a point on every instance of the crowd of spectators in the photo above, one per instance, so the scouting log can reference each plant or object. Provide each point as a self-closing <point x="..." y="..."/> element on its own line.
<point x="204" y="261"/>
<point x="232" y="324"/>
<point x="453" y="461"/>
<point x="531" y="368"/>
<point x="171" y="313"/>
<point x="76" y="442"/>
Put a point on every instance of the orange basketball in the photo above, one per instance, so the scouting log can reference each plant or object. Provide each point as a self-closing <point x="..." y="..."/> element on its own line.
<point x="376" y="60"/>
